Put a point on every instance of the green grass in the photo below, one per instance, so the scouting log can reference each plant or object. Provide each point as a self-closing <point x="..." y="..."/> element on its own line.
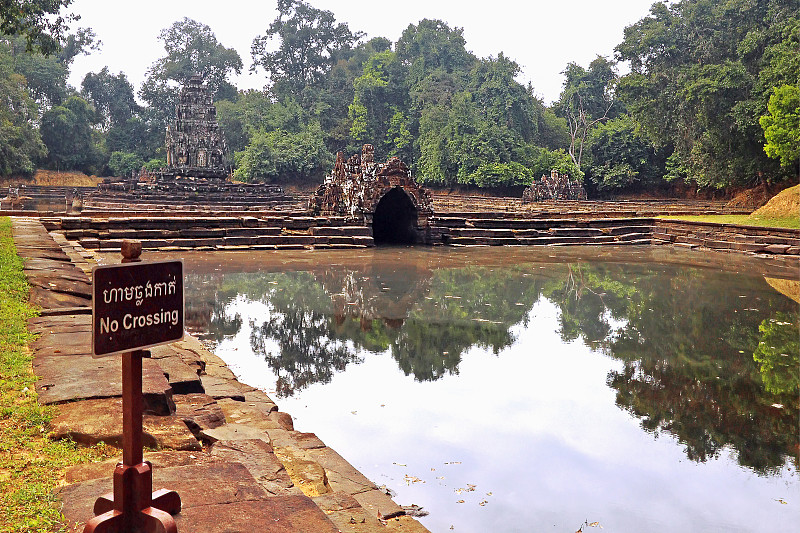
<point x="792" y="222"/>
<point x="31" y="464"/>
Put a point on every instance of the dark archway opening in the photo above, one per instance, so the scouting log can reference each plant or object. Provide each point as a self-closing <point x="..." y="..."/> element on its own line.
<point x="395" y="219"/>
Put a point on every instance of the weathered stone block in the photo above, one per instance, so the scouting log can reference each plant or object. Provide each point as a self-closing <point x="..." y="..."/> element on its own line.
<point x="198" y="411"/>
<point x="100" y="420"/>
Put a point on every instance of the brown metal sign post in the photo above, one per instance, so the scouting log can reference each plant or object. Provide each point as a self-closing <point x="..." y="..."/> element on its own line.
<point x="133" y="507"/>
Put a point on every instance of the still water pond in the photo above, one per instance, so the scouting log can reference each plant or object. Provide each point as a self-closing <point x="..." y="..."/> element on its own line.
<point x="528" y="390"/>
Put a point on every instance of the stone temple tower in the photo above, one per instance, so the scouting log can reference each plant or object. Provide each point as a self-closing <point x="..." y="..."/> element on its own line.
<point x="195" y="145"/>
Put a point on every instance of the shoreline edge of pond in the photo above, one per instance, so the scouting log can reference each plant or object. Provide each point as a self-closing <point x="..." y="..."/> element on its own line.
<point x="234" y="458"/>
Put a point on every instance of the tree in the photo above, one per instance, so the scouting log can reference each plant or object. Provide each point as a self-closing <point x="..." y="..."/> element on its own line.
<point x="778" y="353"/>
<point x="21" y="146"/>
<point x="38" y="21"/>
<point x="82" y="42"/>
<point x="45" y="76"/>
<point x="310" y="43"/>
<point x="125" y="163"/>
<point x="586" y="101"/>
<point x="432" y="45"/>
<point x="379" y="94"/>
<point x="782" y="125"/>
<point x="620" y="157"/>
<point x="279" y="155"/>
<point x="111" y="95"/>
<point x="702" y="73"/>
<point x="67" y="133"/>
<point x="191" y="48"/>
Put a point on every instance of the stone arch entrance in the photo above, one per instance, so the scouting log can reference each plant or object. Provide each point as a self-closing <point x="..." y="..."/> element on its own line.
<point x="394" y="220"/>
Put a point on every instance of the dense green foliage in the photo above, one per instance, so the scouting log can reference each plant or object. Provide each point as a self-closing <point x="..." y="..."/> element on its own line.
<point x="21" y="145"/>
<point x="711" y="98"/>
<point x="702" y="73"/>
<point x="782" y="125"/>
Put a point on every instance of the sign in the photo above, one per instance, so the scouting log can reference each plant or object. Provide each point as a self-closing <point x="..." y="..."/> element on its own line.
<point x="136" y="305"/>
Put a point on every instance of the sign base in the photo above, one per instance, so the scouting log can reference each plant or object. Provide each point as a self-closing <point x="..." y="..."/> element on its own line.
<point x="133" y="506"/>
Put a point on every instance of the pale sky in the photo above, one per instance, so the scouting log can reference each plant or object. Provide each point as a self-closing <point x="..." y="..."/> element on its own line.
<point x="541" y="36"/>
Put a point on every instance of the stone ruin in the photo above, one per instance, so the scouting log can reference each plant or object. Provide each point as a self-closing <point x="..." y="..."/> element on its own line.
<point x="554" y="187"/>
<point x="195" y="144"/>
<point x="384" y="196"/>
<point x="196" y="175"/>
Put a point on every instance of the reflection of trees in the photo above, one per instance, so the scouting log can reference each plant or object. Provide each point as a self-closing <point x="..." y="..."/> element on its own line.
<point x="465" y="307"/>
<point x="686" y="345"/>
<point x="427" y="319"/>
<point x="305" y="352"/>
<point x="695" y="363"/>
<point x="588" y="297"/>
<point x="207" y="302"/>
<point x="778" y="353"/>
<point x="300" y="327"/>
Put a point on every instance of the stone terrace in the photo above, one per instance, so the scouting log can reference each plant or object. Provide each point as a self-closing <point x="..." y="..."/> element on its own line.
<point x="268" y="232"/>
<point x="187" y="195"/>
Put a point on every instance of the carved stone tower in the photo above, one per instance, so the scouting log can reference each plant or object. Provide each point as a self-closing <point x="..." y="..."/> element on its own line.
<point x="195" y="145"/>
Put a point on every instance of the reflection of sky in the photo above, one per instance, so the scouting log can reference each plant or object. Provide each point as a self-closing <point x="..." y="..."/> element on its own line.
<point x="534" y="429"/>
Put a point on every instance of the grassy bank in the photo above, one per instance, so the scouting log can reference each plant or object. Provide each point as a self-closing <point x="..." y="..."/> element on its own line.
<point x="745" y="220"/>
<point x="31" y="464"/>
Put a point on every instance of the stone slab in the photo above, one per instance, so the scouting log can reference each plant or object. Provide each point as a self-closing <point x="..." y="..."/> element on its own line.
<point x="348" y="515"/>
<point x="80" y="377"/>
<point x="65" y="323"/>
<point x="159" y="460"/>
<point x="278" y="514"/>
<point x="231" y="432"/>
<point x="100" y="420"/>
<point x="306" y="474"/>
<point x="182" y="378"/>
<point x="224" y="388"/>
<point x="198" y="411"/>
<point x="260" y="459"/>
<point x="255" y="414"/>
<point x="342" y="476"/>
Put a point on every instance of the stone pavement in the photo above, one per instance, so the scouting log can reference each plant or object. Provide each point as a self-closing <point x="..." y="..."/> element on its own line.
<point x="234" y="458"/>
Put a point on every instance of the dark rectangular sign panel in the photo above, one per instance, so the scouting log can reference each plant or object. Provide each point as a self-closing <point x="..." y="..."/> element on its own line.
<point x="136" y="305"/>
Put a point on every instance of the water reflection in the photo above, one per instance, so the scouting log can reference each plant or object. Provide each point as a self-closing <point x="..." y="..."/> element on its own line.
<point x="709" y="357"/>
